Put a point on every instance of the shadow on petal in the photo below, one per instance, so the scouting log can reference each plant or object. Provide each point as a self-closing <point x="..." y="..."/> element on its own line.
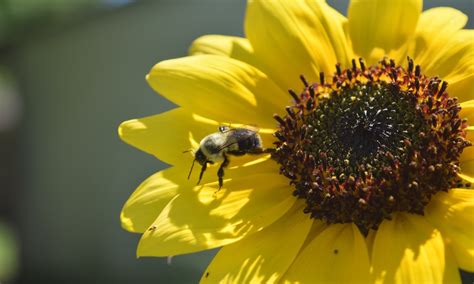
<point x="200" y="218"/>
<point x="408" y="249"/>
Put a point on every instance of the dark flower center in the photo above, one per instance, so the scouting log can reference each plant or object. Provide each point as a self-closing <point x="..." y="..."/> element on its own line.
<point x="371" y="142"/>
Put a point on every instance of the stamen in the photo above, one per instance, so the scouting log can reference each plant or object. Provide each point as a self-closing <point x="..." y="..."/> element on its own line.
<point x="321" y="78"/>
<point x="311" y="89"/>
<point x="417" y="71"/>
<point x="294" y="95"/>
<point x="410" y="65"/>
<point x="362" y="64"/>
<point x="290" y="111"/>
<point x="349" y="74"/>
<point x="338" y="69"/>
<point x="441" y="91"/>
<point x="303" y="79"/>
<point x="279" y="119"/>
<point x="392" y="63"/>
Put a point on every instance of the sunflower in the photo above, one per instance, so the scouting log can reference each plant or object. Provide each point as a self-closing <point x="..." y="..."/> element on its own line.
<point x="371" y="166"/>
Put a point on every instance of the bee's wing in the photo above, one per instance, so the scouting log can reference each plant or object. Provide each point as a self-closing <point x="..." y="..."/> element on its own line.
<point x="238" y="134"/>
<point x="251" y="127"/>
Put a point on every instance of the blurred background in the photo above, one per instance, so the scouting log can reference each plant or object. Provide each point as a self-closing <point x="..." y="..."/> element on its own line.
<point x="70" y="72"/>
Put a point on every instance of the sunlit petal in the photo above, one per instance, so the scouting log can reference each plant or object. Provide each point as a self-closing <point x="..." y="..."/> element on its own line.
<point x="229" y="46"/>
<point x="408" y="249"/>
<point x="296" y="38"/>
<point x="435" y="27"/>
<point x="453" y="213"/>
<point x="147" y="201"/>
<point x="378" y="27"/>
<point x="455" y="64"/>
<point x="201" y="218"/>
<point x="264" y="256"/>
<point x="337" y="255"/>
<point x="215" y="82"/>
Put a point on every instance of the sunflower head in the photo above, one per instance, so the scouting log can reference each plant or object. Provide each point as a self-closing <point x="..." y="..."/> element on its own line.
<point x="370" y="142"/>
<point x="373" y="146"/>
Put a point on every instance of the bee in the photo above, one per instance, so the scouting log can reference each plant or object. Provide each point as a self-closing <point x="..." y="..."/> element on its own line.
<point x="218" y="146"/>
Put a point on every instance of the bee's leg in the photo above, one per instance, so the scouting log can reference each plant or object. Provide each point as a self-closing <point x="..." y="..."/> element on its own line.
<point x="237" y="153"/>
<point x="268" y="150"/>
<point x="203" y="169"/>
<point x="220" y="172"/>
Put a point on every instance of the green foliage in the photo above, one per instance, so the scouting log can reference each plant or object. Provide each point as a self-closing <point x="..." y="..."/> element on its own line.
<point x="8" y="253"/>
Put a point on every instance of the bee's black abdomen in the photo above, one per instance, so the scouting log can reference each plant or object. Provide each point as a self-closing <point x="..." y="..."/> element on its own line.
<point x="250" y="142"/>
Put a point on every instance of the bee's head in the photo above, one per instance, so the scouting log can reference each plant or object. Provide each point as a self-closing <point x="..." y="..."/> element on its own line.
<point x="200" y="157"/>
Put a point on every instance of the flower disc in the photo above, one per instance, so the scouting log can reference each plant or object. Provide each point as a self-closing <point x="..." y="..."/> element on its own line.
<point x="373" y="141"/>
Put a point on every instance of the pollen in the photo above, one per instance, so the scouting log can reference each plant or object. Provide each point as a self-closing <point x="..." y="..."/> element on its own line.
<point x="369" y="142"/>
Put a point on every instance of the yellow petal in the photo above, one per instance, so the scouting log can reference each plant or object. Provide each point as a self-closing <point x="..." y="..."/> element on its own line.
<point x="380" y="26"/>
<point x="468" y="152"/>
<point x="467" y="171"/>
<point x="369" y="239"/>
<point x="467" y="111"/>
<point x="230" y="46"/>
<point x="455" y="64"/>
<point x="453" y="214"/>
<point x="168" y="134"/>
<point x="200" y="218"/>
<point x="146" y="203"/>
<point x="408" y="249"/>
<point x="220" y="88"/>
<point x="264" y="256"/>
<point x="462" y="85"/>
<point x="337" y="255"/>
<point x="435" y="27"/>
<point x="292" y="38"/>
<point x="317" y="227"/>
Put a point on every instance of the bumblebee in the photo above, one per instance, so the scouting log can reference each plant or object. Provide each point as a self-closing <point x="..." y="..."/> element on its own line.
<point x="217" y="147"/>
